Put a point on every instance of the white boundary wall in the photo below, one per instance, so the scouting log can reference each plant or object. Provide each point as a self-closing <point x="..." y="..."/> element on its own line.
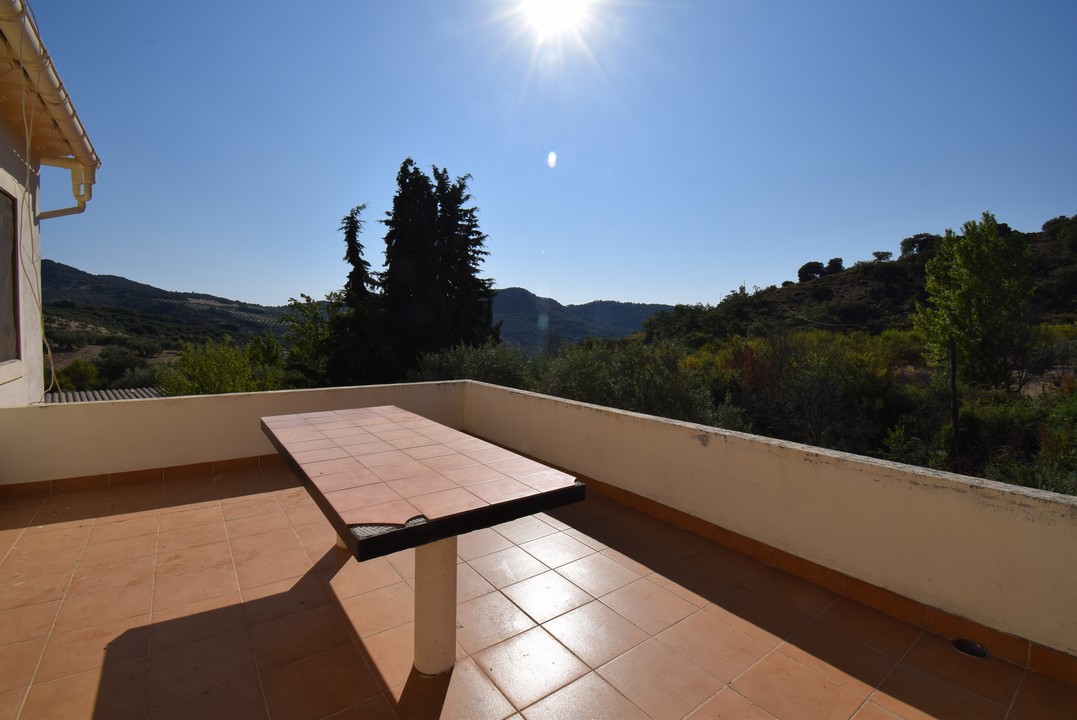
<point x="998" y="555"/>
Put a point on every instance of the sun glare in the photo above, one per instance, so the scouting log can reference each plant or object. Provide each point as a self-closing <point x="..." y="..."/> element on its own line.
<point x="551" y="19"/>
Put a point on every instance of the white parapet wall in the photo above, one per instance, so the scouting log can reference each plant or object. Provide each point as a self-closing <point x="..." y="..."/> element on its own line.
<point x="1002" y="556"/>
<point x="999" y="555"/>
<point x="68" y="440"/>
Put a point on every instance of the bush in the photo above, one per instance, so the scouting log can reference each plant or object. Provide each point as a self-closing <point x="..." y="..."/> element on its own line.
<point x="493" y="363"/>
<point x="78" y="375"/>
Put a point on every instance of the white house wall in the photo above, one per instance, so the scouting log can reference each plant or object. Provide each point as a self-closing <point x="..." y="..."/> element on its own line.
<point x="21" y="380"/>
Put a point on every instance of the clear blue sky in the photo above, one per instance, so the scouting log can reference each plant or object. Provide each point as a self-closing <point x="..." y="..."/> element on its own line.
<point x="701" y="144"/>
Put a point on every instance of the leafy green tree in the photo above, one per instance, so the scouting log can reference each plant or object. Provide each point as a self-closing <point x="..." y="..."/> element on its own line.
<point x="834" y="266"/>
<point x="219" y="367"/>
<point x="307" y="337"/>
<point x="979" y="285"/>
<point x="810" y="271"/>
<point x="923" y="245"/>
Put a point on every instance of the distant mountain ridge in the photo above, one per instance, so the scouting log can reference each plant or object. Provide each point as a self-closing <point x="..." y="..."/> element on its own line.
<point x="528" y="321"/>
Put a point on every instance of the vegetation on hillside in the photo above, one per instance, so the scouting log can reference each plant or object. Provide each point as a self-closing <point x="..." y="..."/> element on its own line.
<point x="959" y="354"/>
<point x="857" y="359"/>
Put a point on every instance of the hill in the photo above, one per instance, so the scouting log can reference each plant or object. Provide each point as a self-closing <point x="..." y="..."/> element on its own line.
<point x="78" y="301"/>
<point x="870" y="296"/>
<point x="532" y="322"/>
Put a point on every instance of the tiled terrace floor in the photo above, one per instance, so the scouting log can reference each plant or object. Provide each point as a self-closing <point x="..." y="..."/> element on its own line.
<point x="224" y="597"/>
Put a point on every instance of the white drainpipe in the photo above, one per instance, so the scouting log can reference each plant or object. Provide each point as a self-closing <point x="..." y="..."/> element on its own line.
<point x="23" y="38"/>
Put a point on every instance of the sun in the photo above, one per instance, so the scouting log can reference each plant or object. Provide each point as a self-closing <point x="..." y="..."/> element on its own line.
<point x="552" y="19"/>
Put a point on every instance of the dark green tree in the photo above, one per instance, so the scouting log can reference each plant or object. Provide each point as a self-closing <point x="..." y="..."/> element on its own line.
<point x="433" y="297"/>
<point x="810" y="271"/>
<point x="356" y="344"/>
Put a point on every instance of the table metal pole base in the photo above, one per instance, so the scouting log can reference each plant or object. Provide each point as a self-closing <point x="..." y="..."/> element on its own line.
<point x="435" y="607"/>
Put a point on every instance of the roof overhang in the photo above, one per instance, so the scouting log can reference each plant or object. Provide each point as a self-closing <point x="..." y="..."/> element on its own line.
<point x="35" y="105"/>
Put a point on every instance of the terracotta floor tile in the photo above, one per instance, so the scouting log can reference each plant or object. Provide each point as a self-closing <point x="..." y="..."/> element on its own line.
<point x="378" y="610"/>
<point x="771" y="615"/>
<point x="320" y="686"/>
<point x="630" y="562"/>
<point x="659" y="681"/>
<point x="729" y="705"/>
<point x="272" y="567"/>
<point x="403" y="562"/>
<point x="47" y="538"/>
<point x="302" y="515"/>
<point x="298" y="636"/>
<point x="847" y="662"/>
<point x="469" y="584"/>
<point x="595" y="633"/>
<point x="649" y="606"/>
<point x="714" y="646"/>
<point x="507" y="567"/>
<point x="17" y="590"/>
<point x="588" y="697"/>
<point x="988" y="677"/>
<point x="480" y="542"/>
<point x="524" y="529"/>
<point x="598" y="574"/>
<point x="197" y="668"/>
<point x="871" y="711"/>
<point x="488" y="620"/>
<point x="27" y="622"/>
<point x="914" y="694"/>
<point x="1043" y="698"/>
<point x="257" y="524"/>
<point x="172" y="590"/>
<point x="44" y="562"/>
<point x="354" y="578"/>
<point x="791" y="691"/>
<point x="557" y="549"/>
<point x="179" y="539"/>
<point x="196" y="622"/>
<point x="529" y="666"/>
<point x="199" y="557"/>
<point x="242" y="701"/>
<point x="94" y="647"/>
<point x="464" y="694"/>
<point x="117" y="691"/>
<point x="105" y="606"/>
<point x="271" y="541"/>
<point x="125" y="547"/>
<point x="18" y="663"/>
<point x="546" y="596"/>
<point x="124" y="526"/>
<point x="378" y="707"/>
<point x="11" y="703"/>
<point x="112" y="574"/>
<point x="888" y="635"/>
<point x="182" y="517"/>
<point x="284" y="597"/>
<point x="698" y="585"/>
<point x="392" y="653"/>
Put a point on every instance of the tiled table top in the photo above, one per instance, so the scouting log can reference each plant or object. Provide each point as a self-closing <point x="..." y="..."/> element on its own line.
<point x="384" y="466"/>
